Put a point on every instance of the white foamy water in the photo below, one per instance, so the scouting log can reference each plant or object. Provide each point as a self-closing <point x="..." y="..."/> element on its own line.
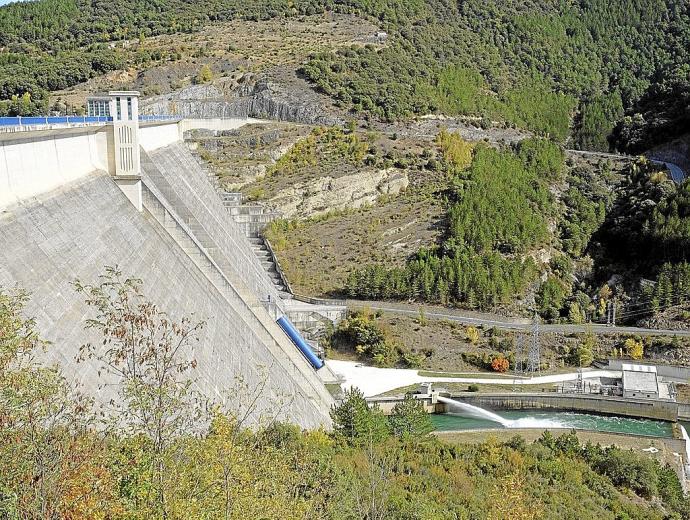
<point x="686" y="438"/>
<point x="533" y="422"/>
<point x="469" y="410"/>
<point x="473" y="411"/>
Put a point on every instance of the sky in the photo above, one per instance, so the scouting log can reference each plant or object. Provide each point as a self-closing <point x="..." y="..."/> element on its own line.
<point x="5" y="2"/>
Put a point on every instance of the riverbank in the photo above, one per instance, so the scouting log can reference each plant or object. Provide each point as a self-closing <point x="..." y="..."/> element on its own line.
<point x="665" y="450"/>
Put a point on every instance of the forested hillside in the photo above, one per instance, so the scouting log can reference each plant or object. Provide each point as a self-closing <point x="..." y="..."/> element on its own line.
<point x="558" y="68"/>
<point x="163" y="451"/>
<point x="528" y="63"/>
<point x="498" y="214"/>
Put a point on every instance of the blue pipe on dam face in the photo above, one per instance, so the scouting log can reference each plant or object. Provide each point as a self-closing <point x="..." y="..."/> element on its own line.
<point x="299" y="342"/>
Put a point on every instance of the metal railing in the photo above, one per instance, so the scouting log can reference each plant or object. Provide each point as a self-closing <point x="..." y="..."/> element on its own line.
<point x="72" y="120"/>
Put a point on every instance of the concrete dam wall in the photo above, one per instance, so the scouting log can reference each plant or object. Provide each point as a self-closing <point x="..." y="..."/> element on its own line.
<point x="191" y="256"/>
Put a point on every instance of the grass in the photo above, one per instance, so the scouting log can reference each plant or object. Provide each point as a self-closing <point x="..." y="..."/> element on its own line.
<point x="485" y="375"/>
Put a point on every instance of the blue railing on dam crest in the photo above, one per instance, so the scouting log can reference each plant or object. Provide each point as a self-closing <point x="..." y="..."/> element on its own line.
<point x="73" y="120"/>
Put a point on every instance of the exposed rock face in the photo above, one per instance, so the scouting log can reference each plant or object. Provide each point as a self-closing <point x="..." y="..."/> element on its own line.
<point x="279" y="95"/>
<point x="328" y="193"/>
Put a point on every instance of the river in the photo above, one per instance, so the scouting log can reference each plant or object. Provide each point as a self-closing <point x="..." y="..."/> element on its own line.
<point x="555" y="419"/>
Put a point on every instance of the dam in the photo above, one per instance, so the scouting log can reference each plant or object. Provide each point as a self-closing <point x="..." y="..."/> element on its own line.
<point x="127" y="192"/>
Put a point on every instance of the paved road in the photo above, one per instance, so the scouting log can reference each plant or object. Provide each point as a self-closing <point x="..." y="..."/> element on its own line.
<point x="492" y="320"/>
<point x="374" y="381"/>
<point x="602" y="154"/>
<point x="677" y="173"/>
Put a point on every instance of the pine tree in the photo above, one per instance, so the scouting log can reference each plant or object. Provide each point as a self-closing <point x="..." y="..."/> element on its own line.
<point x="409" y="419"/>
<point x="355" y="423"/>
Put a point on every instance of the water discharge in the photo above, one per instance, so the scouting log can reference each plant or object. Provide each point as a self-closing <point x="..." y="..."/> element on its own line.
<point x="686" y="438"/>
<point x="470" y="410"/>
<point x="462" y="416"/>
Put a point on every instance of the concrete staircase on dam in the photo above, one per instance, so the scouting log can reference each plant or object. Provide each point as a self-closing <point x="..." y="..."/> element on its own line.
<point x="196" y="218"/>
<point x="272" y="267"/>
<point x="251" y="218"/>
<point x="311" y="317"/>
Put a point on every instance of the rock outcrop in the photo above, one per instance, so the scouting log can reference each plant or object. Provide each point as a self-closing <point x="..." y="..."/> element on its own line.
<point x="278" y="95"/>
<point x="328" y="193"/>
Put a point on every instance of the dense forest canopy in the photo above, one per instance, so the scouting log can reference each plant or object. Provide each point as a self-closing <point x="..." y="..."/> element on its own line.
<point x="538" y="65"/>
<point x="598" y="56"/>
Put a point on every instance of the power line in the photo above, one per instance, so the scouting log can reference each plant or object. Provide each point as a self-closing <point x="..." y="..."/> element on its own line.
<point x="612" y="314"/>
<point x="519" y="359"/>
<point x="534" y="352"/>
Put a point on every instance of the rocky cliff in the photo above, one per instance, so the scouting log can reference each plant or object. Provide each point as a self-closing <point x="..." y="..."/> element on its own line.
<point x="319" y="196"/>
<point x="277" y="95"/>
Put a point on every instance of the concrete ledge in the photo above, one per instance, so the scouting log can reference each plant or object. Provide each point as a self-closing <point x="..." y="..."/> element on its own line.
<point x="649" y="409"/>
<point x="660" y="410"/>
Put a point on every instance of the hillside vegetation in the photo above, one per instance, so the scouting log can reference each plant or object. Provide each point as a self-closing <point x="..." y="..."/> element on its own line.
<point x="165" y="452"/>
<point x="528" y="63"/>
<point x="531" y="64"/>
<point x="499" y="213"/>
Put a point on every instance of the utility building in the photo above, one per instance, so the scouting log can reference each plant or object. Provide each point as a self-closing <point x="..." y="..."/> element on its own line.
<point x="640" y="381"/>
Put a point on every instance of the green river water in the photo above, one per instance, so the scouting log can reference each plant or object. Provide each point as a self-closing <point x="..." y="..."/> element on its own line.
<point x="555" y="419"/>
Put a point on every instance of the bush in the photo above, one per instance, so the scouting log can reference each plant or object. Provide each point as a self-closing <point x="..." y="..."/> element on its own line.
<point x="361" y="332"/>
<point x="634" y="348"/>
<point x="627" y="469"/>
<point x="500" y="364"/>
<point x="473" y="388"/>
<point x="205" y="75"/>
<point x="472" y="334"/>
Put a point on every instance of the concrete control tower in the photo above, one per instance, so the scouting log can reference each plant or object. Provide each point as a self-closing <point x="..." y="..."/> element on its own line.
<point x="123" y="107"/>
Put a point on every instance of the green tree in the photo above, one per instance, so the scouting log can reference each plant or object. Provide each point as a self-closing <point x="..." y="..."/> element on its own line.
<point x="355" y="422"/>
<point x="409" y="419"/>
<point x="551" y="297"/>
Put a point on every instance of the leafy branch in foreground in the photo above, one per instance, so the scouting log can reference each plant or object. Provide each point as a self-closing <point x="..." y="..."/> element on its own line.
<point x="48" y="459"/>
<point x="149" y="356"/>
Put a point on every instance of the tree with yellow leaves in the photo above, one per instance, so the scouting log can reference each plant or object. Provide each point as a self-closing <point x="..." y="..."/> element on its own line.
<point x="472" y="334"/>
<point x="510" y="500"/>
<point x="455" y="149"/>
<point x="52" y="463"/>
<point x="634" y="348"/>
<point x="205" y="75"/>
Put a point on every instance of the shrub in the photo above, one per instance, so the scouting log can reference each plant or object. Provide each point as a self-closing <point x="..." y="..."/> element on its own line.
<point x="361" y="332"/>
<point x="500" y="364"/>
<point x="473" y="388"/>
<point x="472" y="334"/>
<point x="634" y="348"/>
<point x="205" y="75"/>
